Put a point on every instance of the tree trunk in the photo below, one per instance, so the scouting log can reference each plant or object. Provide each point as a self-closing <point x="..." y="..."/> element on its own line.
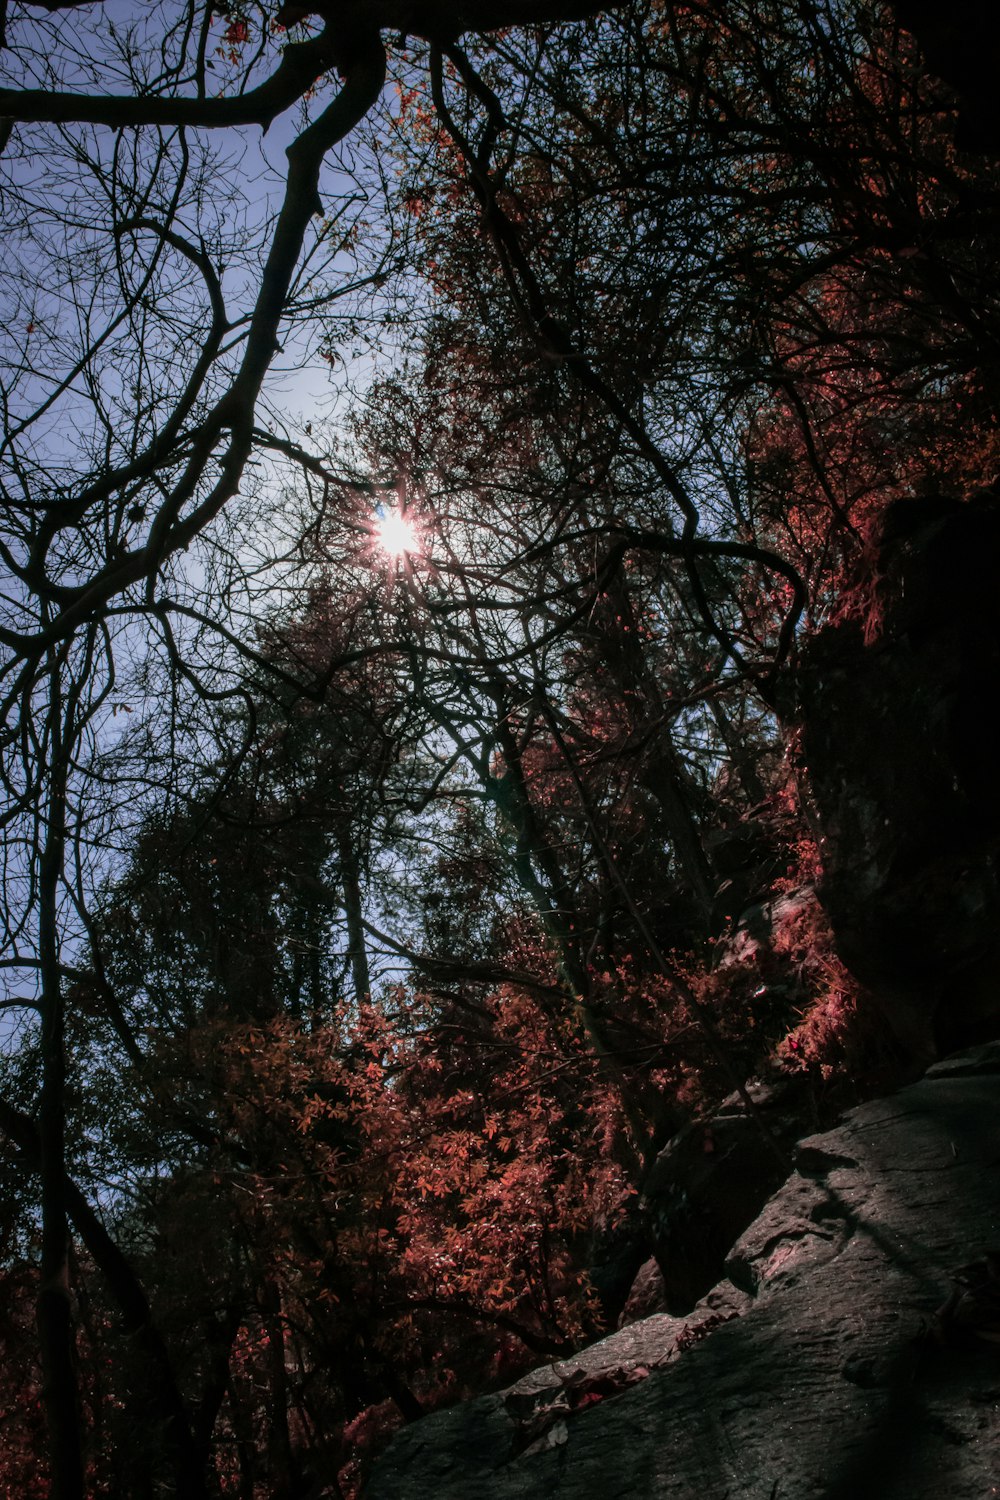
<point x="54" y="1314"/>
<point x="137" y="1317"/>
<point x="281" y="1460"/>
<point x="662" y="778"/>
<point x="350" y="876"/>
<point x="618" y="646"/>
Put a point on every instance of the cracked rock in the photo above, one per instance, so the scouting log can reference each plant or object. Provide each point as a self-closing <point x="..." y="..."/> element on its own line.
<point x="827" y="1383"/>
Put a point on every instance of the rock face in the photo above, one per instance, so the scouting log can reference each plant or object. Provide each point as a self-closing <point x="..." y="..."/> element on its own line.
<point x="818" y="1371"/>
<point x="708" y="1184"/>
<point x="900" y="768"/>
<point x="960" y="46"/>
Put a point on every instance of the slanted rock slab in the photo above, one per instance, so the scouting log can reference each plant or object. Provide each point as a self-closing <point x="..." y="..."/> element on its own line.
<point x="821" y="1372"/>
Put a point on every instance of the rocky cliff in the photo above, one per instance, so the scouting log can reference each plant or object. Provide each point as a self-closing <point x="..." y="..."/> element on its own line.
<point x="846" y="1355"/>
<point x="898" y="765"/>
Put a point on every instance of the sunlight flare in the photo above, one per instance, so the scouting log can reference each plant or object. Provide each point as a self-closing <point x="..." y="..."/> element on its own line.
<point x="396" y="534"/>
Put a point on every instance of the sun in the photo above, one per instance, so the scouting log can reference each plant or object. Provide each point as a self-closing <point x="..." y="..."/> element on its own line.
<point x="396" y="535"/>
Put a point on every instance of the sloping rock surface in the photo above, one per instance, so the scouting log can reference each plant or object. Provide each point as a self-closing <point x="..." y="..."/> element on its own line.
<point x="818" y="1371"/>
<point x="711" y="1181"/>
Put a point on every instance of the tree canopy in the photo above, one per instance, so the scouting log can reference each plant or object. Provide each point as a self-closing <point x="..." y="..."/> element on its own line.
<point x="453" y="459"/>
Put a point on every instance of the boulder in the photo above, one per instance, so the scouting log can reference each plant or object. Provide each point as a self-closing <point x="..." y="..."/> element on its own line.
<point x="820" y="1369"/>
<point x="648" y="1294"/>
